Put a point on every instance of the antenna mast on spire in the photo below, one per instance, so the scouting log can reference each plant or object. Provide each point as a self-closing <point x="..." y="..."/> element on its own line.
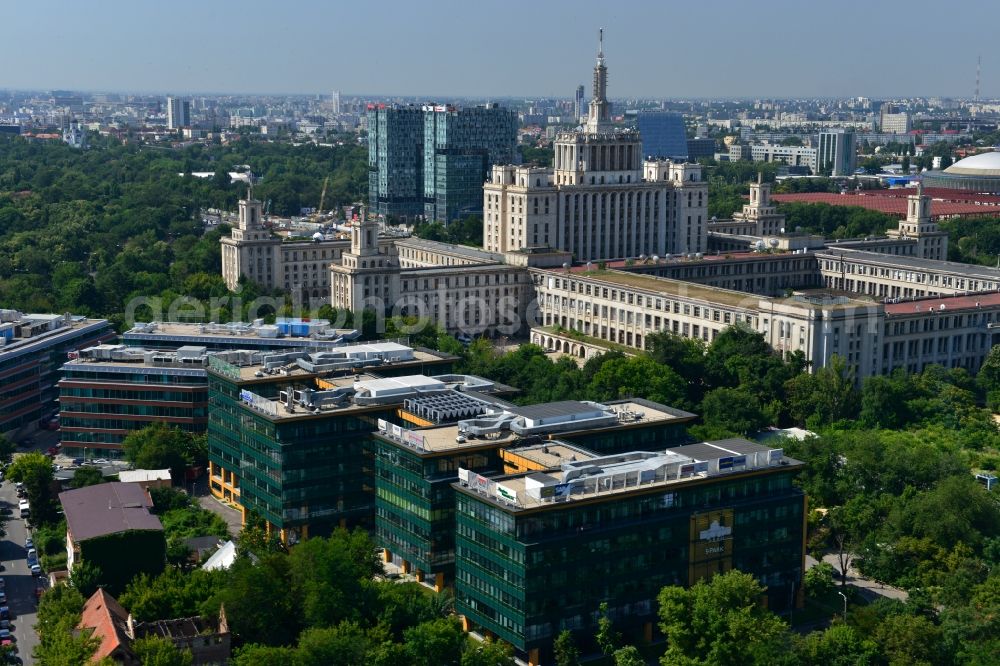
<point x="600" y="43"/>
<point x="979" y="66"/>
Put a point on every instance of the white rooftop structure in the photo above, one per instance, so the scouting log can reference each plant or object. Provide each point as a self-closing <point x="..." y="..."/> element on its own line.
<point x="390" y="386"/>
<point x="222" y="558"/>
<point x="143" y="475"/>
<point x="983" y="164"/>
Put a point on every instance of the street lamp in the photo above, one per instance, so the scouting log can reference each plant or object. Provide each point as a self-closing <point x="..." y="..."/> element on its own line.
<point x="845" y="603"/>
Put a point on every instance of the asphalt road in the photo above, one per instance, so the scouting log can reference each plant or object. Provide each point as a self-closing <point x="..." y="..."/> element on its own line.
<point x="21" y="585"/>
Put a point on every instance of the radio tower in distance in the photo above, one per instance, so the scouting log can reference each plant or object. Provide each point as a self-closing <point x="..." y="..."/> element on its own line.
<point x="979" y="66"/>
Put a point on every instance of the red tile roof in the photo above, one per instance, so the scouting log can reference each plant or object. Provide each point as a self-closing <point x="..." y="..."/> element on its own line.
<point x="895" y="204"/>
<point x="948" y="302"/>
<point x="105" y="616"/>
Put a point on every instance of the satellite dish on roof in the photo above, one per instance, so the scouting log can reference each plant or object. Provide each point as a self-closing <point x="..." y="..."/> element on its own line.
<point x="317" y="237"/>
<point x="759" y="245"/>
<point x="774" y="242"/>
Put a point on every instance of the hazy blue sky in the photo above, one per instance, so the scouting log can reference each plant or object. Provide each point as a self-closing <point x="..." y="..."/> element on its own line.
<point x="440" y="48"/>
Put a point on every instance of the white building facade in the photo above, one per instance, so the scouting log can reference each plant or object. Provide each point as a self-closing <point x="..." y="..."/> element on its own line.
<point x="600" y="200"/>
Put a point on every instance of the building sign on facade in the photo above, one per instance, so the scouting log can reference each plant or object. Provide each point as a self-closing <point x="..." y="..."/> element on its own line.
<point x="710" y="545"/>
<point x="259" y="403"/>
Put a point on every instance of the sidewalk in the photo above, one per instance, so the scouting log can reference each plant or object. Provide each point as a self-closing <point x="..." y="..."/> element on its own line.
<point x="869" y="588"/>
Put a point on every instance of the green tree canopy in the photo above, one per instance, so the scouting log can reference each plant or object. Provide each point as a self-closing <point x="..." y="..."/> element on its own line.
<point x="158" y="651"/>
<point x="720" y="623"/>
<point x="34" y="470"/>
<point x="158" y="446"/>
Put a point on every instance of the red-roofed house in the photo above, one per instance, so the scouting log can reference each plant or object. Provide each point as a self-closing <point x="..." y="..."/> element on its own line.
<point x="208" y="640"/>
<point x="108" y="621"/>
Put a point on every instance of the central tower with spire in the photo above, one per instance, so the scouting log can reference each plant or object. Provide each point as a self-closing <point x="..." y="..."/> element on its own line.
<point x="599" y="118"/>
<point x="600" y="200"/>
<point x="598" y="153"/>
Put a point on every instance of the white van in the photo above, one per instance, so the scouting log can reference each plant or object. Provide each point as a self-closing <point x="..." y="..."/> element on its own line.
<point x="25" y="508"/>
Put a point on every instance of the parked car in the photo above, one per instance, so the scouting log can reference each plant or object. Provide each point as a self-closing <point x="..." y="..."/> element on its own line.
<point x="36" y="570"/>
<point x="3" y="597"/>
<point x="28" y="543"/>
<point x="4" y="624"/>
<point x="5" y="613"/>
<point x="5" y="635"/>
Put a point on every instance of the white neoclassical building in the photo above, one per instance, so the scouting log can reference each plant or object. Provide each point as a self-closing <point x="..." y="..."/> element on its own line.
<point x="600" y="200"/>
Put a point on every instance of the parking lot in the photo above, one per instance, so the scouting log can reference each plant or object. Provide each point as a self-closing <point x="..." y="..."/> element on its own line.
<point x="20" y="584"/>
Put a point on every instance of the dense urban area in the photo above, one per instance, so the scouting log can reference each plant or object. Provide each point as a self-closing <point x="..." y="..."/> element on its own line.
<point x="336" y="379"/>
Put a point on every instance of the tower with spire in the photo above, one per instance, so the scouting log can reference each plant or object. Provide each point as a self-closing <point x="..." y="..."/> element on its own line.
<point x="599" y="153"/>
<point x="599" y="116"/>
<point x="931" y="242"/>
<point x="600" y="200"/>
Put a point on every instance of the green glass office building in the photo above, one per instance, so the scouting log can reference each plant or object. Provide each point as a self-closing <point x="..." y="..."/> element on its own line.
<point x="289" y="443"/>
<point x="396" y="160"/>
<point x="538" y="553"/>
<point x="415" y="503"/>
<point x="460" y="147"/>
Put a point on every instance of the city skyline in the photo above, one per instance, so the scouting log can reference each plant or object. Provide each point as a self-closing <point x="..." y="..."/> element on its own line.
<point x="656" y="51"/>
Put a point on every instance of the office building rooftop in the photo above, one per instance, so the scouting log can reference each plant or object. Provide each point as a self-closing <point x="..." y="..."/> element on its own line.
<point x="624" y="473"/>
<point x="250" y="365"/>
<point x="27" y="333"/>
<point x="122" y="358"/>
<point x="500" y="424"/>
<point x="285" y="332"/>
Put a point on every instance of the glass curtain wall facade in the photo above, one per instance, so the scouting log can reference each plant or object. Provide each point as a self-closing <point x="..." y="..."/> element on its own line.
<point x="415" y="505"/>
<point x="526" y="575"/>
<point x="460" y="146"/>
<point x="395" y="160"/>
<point x="837" y="153"/>
<point x="304" y="475"/>
<point x="663" y="135"/>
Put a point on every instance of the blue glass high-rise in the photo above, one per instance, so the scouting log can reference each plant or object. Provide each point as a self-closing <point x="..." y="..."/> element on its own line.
<point x="663" y="135"/>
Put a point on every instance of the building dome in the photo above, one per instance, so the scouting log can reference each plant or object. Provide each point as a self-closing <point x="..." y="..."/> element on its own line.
<point x="983" y="164"/>
<point x="976" y="173"/>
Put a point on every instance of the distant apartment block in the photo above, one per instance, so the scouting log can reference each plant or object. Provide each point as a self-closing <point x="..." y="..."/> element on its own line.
<point x="803" y="156"/>
<point x="178" y="113"/>
<point x="893" y="120"/>
<point x="837" y="154"/>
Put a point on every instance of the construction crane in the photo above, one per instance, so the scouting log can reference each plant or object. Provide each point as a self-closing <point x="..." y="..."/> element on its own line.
<point x="322" y="198"/>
